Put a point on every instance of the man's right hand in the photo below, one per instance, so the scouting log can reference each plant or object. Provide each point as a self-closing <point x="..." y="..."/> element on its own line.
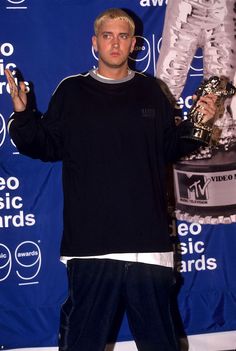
<point x="18" y="93"/>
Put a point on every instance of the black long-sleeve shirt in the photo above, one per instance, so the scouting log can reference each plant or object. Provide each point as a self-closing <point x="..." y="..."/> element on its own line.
<point x="115" y="139"/>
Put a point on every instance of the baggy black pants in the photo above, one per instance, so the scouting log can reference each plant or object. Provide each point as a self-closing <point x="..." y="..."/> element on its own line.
<point x="96" y="288"/>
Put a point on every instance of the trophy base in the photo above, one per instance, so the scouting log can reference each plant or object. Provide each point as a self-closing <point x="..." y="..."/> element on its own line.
<point x="199" y="133"/>
<point x="205" y="189"/>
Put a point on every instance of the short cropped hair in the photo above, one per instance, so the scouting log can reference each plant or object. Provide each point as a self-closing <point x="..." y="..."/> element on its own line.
<point x="114" y="13"/>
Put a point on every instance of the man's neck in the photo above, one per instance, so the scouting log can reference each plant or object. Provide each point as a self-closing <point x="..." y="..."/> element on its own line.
<point x="111" y="73"/>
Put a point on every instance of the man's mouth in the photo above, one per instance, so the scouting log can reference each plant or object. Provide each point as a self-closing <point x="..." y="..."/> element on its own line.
<point x="115" y="53"/>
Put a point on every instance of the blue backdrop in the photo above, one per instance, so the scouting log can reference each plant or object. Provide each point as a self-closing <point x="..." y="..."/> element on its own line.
<point x="47" y="41"/>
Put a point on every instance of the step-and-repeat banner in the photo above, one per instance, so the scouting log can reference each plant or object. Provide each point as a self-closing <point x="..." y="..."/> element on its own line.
<point x="44" y="41"/>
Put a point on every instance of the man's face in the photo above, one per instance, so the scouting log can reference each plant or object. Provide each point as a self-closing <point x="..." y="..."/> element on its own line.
<point x="113" y="43"/>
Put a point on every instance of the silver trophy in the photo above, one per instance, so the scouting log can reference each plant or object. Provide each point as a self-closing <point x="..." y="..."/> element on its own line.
<point x="207" y="132"/>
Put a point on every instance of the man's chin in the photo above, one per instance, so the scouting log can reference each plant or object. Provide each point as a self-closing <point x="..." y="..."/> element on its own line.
<point x="117" y="65"/>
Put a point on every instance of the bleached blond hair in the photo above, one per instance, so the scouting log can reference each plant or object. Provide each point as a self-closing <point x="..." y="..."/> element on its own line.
<point x="114" y="13"/>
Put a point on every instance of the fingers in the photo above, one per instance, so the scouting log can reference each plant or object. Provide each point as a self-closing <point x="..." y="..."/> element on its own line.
<point x="9" y="75"/>
<point x="22" y="89"/>
<point x="11" y="82"/>
<point x="18" y="93"/>
<point x="207" y="106"/>
<point x="14" y="89"/>
<point x="22" y="92"/>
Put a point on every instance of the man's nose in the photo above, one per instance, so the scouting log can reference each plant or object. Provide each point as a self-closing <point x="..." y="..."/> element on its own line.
<point x="116" y="41"/>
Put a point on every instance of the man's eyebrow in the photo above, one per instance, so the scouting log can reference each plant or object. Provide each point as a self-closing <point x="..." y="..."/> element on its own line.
<point x="108" y="32"/>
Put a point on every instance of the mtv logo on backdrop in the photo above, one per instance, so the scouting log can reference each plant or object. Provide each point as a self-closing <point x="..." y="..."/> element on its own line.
<point x="192" y="188"/>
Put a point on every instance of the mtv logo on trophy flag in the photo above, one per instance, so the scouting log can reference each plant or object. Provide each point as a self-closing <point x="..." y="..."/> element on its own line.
<point x="193" y="188"/>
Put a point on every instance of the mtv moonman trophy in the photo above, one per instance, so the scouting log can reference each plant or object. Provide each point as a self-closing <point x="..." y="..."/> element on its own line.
<point x="207" y="133"/>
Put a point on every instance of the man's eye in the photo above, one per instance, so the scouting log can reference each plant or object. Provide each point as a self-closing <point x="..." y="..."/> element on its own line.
<point x="124" y="36"/>
<point x="107" y="36"/>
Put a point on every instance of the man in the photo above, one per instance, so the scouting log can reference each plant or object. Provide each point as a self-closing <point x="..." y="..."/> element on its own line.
<point x="114" y="131"/>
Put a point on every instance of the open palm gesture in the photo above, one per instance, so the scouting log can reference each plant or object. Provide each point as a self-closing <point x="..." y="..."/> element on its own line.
<point x="18" y="93"/>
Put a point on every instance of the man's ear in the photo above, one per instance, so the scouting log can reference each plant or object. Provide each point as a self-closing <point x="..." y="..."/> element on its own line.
<point x="133" y="44"/>
<point x="94" y="42"/>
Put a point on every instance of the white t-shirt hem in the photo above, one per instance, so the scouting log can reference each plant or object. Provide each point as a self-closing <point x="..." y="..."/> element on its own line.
<point x="165" y="259"/>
